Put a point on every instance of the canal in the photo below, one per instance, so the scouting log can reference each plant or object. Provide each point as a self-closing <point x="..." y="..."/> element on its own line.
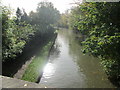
<point x="68" y="67"/>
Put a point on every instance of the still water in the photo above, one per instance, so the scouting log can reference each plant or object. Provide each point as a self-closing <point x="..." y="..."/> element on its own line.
<point x="67" y="67"/>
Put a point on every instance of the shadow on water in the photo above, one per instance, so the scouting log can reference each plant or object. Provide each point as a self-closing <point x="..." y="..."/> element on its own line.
<point x="11" y="67"/>
<point x="70" y="68"/>
<point x="74" y="52"/>
<point x="54" y="50"/>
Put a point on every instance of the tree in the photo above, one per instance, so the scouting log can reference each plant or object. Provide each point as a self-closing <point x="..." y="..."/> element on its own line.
<point x="100" y="23"/>
<point x="47" y="14"/>
<point x="18" y="14"/>
<point x="45" y="17"/>
<point x="14" y="36"/>
<point x="64" y="20"/>
<point x="25" y="17"/>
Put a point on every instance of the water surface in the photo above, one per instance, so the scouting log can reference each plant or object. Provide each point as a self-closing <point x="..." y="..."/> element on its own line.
<point x="67" y="67"/>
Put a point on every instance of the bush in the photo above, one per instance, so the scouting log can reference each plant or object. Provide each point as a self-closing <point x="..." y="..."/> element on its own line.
<point x="14" y="37"/>
<point x="100" y="23"/>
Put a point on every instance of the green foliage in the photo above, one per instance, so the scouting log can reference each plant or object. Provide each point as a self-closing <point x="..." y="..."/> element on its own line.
<point x="18" y="14"/>
<point x="17" y="31"/>
<point x="100" y="22"/>
<point x="44" y="20"/>
<point x="35" y="68"/>
<point x="45" y="16"/>
<point x="14" y="36"/>
<point x="64" y="20"/>
<point x="22" y="16"/>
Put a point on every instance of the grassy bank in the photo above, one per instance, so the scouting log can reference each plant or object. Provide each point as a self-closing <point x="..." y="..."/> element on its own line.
<point x="34" y="70"/>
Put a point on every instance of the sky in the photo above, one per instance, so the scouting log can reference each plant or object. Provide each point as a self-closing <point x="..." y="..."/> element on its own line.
<point x="30" y="5"/>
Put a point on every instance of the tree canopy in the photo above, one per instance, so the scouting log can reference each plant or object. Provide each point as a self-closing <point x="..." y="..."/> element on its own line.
<point x="100" y="23"/>
<point x="16" y="32"/>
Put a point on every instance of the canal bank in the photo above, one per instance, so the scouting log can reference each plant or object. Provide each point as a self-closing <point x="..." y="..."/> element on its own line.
<point x="35" y="69"/>
<point x="37" y="52"/>
<point x="67" y="67"/>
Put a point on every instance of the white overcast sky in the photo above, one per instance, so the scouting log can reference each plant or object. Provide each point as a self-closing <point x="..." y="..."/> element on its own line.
<point x="30" y="5"/>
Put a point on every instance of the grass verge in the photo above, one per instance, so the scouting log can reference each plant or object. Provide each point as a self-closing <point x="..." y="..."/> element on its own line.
<point x="35" y="68"/>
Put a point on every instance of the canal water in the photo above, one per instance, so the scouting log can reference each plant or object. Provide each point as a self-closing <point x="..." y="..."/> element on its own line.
<point x="67" y="67"/>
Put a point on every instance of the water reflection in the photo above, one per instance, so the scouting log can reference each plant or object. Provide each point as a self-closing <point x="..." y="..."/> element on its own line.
<point x="90" y="66"/>
<point x="55" y="50"/>
<point x="48" y="70"/>
<point x="69" y="68"/>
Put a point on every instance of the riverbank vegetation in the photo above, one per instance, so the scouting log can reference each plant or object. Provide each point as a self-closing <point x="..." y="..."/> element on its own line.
<point x="99" y="23"/>
<point x="35" y="69"/>
<point x="17" y="31"/>
<point x="23" y="33"/>
<point x="64" y="20"/>
<point x="14" y="35"/>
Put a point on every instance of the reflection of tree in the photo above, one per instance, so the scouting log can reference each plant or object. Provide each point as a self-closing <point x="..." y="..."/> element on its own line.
<point x="88" y="65"/>
<point x="55" y="51"/>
